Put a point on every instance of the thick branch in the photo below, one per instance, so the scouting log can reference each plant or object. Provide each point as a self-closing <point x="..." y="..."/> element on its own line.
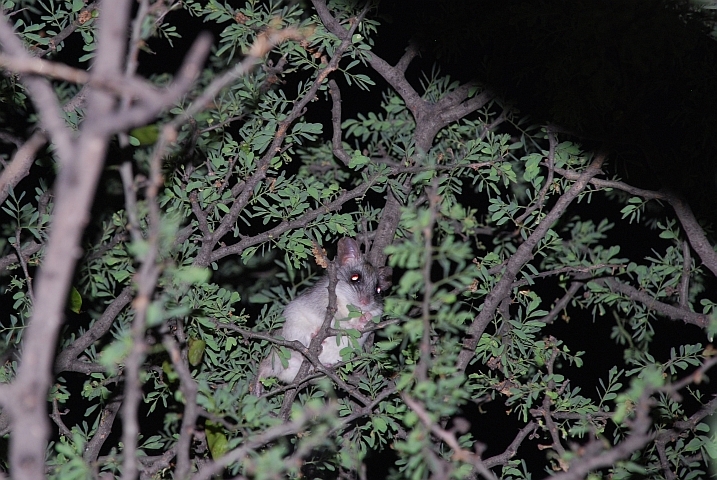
<point x="285" y="226"/>
<point x="66" y="360"/>
<point x="81" y="164"/>
<point x="75" y="188"/>
<point x="671" y="312"/>
<point x="695" y="234"/>
<point x="107" y="418"/>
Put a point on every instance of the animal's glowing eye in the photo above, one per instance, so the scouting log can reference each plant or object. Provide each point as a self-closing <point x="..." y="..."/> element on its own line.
<point x="356" y="277"/>
<point x="378" y="290"/>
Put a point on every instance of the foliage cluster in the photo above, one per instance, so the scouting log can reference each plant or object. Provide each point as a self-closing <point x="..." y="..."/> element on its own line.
<point x="508" y="243"/>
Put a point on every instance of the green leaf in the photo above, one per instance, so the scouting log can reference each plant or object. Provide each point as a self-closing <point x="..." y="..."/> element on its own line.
<point x="154" y="315"/>
<point x="75" y="300"/>
<point x="196" y="351"/>
<point x="191" y="275"/>
<point x="358" y="160"/>
<point x="146" y="135"/>
<point x="216" y="439"/>
<point x="379" y="424"/>
<point x="114" y="353"/>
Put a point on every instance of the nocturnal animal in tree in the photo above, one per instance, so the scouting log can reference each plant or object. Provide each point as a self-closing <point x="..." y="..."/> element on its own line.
<point x="360" y="284"/>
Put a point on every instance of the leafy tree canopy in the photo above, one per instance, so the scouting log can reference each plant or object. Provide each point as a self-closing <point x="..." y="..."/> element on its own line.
<point x="165" y="193"/>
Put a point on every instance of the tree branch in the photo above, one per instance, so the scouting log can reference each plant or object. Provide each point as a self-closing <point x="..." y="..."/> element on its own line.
<point x="41" y="94"/>
<point x="674" y="313"/>
<point x="522" y="255"/>
<point x="337" y="148"/>
<point x="20" y="164"/>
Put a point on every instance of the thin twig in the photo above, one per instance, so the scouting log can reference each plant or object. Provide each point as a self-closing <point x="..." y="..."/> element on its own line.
<point x="540" y="199"/>
<point x="685" y="280"/>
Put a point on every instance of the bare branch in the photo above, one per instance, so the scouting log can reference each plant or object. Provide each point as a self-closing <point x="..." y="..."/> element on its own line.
<point x="75" y="187"/>
<point x="27" y="250"/>
<point x="146" y="280"/>
<point x="512" y="449"/>
<point x="338" y="149"/>
<point x="285" y="226"/>
<point x="56" y="417"/>
<point x="81" y="164"/>
<point x="189" y="389"/>
<point x="694" y="232"/>
<point x="23" y="265"/>
<point x="577" y="272"/>
<point x="449" y="438"/>
<point x="41" y="94"/>
<point x="152" y="465"/>
<point x="261" y="46"/>
<point x="142" y="112"/>
<point x="390" y="217"/>
<point x="561" y="304"/>
<point x="450" y="112"/>
<point x="104" y="428"/>
<point x="685" y="280"/>
<point x="20" y="164"/>
<point x="407" y="58"/>
<point x="66" y="360"/>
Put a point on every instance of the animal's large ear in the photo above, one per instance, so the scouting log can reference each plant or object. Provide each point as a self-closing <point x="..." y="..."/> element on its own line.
<point x="347" y="251"/>
<point x="384" y="278"/>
